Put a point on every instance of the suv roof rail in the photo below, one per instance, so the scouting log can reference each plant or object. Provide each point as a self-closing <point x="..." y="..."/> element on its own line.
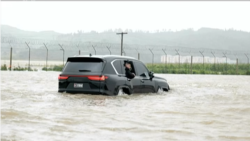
<point x="104" y="56"/>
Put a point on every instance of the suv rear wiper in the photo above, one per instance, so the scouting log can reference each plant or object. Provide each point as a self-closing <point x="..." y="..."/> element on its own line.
<point x="84" y="70"/>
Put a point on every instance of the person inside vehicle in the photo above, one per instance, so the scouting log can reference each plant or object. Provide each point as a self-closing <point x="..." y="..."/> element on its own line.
<point x="128" y="69"/>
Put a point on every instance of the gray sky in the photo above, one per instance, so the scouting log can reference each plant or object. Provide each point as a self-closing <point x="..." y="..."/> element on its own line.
<point x="66" y="17"/>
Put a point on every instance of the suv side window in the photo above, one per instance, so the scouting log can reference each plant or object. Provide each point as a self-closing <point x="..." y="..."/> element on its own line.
<point x="132" y="67"/>
<point x="118" y="66"/>
<point x="140" y="68"/>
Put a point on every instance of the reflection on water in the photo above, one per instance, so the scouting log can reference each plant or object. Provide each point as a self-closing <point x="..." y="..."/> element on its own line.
<point x="197" y="108"/>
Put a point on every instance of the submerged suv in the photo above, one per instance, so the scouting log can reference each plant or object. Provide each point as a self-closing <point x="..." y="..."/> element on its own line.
<point x="106" y="75"/>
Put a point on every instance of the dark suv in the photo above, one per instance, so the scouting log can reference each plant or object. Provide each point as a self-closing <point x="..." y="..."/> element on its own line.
<point x="106" y="75"/>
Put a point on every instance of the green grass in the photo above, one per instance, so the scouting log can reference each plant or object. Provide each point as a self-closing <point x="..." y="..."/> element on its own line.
<point x="4" y="68"/>
<point x="54" y="68"/>
<point x="23" y="69"/>
<point x="185" y="68"/>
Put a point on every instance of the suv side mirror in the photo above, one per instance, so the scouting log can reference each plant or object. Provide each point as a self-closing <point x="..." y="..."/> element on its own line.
<point x="145" y="74"/>
<point x="151" y="75"/>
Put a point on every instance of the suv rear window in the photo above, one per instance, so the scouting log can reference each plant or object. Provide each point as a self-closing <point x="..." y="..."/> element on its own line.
<point x="83" y="65"/>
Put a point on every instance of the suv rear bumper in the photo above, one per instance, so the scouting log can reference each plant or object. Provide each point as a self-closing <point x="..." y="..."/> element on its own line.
<point x="101" y="92"/>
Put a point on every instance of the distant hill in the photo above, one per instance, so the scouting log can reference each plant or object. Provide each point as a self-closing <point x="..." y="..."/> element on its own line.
<point x="204" y="38"/>
<point x="9" y="31"/>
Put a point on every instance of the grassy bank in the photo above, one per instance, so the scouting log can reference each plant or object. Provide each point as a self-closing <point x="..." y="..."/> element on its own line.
<point x="185" y="68"/>
<point x="54" y="68"/>
<point x="4" y="68"/>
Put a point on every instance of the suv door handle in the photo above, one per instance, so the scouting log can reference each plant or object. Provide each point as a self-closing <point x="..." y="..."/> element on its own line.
<point x="120" y="75"/>
<point x="142" y="81"/>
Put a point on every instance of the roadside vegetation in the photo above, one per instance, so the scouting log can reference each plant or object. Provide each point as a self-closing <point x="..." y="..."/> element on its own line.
<point x="4" y="68"/>
<point x="184" y="68"/>
<point x="53" y="68"/>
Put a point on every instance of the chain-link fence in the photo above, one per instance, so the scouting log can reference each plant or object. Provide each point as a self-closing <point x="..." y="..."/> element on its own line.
<point x="160" y="59"/>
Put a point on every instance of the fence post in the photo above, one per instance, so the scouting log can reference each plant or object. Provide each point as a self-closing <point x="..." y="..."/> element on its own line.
<point x="203" y="58"/>
<point x="247" y="62"/>
<point x="237" y="66"/>
<point x="191" y="68"/>
<point x="138" y="54"/>
<point x="29" y="55"/>
<point x="45" y="45"/>
<point x="152" y="59"/>
<point x="165" y="59"/>
<point x="10" y="56"/>
<point x="63" y="52"/>
<point x="177" y="52"/>
<point x="214" y="60"/>
<point x="226" y="60"/>
<point x="108" y="47"/>
<point x="94" y="48"/>
<point x="78" y="48"/>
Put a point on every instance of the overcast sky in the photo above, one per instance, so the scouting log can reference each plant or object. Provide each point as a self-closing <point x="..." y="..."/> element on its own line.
<point x="67" y="17"/>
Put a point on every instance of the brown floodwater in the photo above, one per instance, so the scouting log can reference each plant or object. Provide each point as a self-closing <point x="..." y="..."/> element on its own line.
<point x="198" y="108"/>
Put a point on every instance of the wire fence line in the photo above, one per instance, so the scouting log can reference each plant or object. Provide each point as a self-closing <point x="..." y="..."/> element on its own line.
<point x="149" y="54"/>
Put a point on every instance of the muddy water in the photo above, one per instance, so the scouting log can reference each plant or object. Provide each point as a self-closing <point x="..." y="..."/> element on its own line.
<point x="198" y="108"/>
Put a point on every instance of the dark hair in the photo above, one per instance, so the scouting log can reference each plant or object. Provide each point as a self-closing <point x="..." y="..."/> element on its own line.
<point x="127" y="61"/>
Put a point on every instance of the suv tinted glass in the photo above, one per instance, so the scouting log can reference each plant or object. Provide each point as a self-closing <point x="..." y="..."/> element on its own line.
<point x="83" y="65"/>
<point x="118" y="66"/>
<point x="140" y="68"/>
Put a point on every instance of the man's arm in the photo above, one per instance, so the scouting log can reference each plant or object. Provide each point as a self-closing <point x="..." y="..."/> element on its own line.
<point x="129" y="74"/>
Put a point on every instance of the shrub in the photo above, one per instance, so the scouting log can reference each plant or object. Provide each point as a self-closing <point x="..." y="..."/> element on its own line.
<point x="4" y="67"/>
<point x="248" y="72"/>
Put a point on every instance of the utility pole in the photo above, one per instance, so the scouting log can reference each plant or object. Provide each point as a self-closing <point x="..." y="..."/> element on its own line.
<point x="10" y="56"/>
<point x="45" y="45"/>
<point x="29" y="55"/>
<point x="121" y="40"/>
<point x="124" y="52"/>
<point x="63" y="52"/>
<point x="165" y="59"/>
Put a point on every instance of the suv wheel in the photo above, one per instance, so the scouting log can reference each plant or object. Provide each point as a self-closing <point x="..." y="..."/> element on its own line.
<point x="120" y="91"/>
<point x="160" y="90"/>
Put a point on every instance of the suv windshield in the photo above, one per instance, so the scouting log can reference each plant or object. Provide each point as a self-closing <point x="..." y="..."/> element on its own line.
<point x="83" y="65"/>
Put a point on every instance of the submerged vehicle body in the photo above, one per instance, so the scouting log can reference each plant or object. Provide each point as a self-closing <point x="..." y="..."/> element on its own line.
<point x="106" y="75"/>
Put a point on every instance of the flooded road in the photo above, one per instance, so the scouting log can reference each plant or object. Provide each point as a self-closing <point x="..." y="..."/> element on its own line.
<point x="198" y="107"/>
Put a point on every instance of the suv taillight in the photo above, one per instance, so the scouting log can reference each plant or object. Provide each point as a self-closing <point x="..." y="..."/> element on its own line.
<point x="62" y="77"/>
<point x="97" y="78"/>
